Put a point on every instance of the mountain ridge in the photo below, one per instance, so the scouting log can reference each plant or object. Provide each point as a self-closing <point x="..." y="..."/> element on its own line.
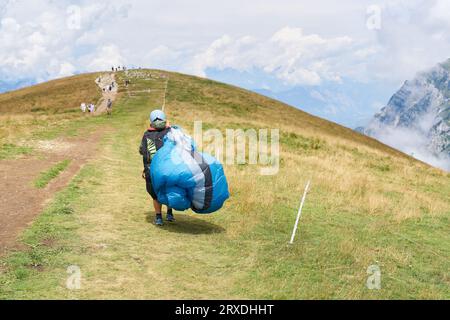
<point x="421" y="109"/>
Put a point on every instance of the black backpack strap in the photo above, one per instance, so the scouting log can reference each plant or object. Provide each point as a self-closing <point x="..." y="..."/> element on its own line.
<point x="152" y="142"/>
<point x="159" y="139"/>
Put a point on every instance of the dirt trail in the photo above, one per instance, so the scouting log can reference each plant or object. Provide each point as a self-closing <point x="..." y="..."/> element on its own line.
<point x="21" y="202"/>
<point x="104" y="82"/>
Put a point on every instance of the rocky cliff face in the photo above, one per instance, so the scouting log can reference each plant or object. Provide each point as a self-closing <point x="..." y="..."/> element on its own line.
<point x="417" y="117"/>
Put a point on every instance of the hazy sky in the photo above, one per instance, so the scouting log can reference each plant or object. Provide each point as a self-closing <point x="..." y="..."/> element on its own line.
<point x="292" y="43"/>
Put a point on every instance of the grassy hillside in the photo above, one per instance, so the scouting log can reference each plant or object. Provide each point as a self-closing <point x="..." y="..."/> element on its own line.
<point x="368" y="205"/>
<point x="39" y="108"/>
<point x="53" y="96"/>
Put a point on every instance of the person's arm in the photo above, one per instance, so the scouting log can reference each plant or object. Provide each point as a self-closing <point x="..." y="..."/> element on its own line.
<point x="143" y="152"/>
<point x="143" y="147"/>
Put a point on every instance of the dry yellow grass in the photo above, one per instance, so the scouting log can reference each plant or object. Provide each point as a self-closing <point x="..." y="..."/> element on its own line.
<point x="51" y="97"/>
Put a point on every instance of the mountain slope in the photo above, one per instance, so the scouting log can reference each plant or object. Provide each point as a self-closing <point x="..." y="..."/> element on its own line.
<point x="368" y="205"/>
<point x="56" y="96"/>
<point x="419" y="110"/>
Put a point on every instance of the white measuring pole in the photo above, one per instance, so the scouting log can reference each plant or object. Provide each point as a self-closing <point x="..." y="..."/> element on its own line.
<point x="299" y="213"/>
<point x="165" y="92"/>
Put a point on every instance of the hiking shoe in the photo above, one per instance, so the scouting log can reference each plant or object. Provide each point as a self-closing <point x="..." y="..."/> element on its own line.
<point x="159" y="220"/>
<point x="170" y="217"/>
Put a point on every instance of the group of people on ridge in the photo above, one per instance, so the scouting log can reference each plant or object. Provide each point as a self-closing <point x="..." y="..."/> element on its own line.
<point x="114" y="69"/>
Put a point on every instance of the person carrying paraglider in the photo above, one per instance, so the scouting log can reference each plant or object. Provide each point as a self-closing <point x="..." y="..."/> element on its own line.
<point x="152" y="141"/>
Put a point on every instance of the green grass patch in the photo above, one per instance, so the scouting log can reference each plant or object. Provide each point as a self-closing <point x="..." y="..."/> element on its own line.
<point x="297" y="141"/>
<point x="10" y="151"/>
<point x="46" y="176"/>
<point x="39" y="271"/>
<point x="383" y="167"/>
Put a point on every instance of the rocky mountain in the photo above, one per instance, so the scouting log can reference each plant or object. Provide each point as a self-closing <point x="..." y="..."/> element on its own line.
<point x="416" y="119"/>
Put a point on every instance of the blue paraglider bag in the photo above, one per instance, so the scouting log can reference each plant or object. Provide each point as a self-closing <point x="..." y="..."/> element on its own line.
<point x="184" y="178"/>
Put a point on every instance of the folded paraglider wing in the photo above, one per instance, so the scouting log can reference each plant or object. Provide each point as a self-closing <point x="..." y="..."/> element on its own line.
<point x="184" y="178"/>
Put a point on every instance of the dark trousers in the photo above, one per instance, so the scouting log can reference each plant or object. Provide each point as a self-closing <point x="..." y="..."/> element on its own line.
<point x="148" y="185"/>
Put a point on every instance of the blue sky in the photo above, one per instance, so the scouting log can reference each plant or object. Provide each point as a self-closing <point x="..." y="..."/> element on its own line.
<point x="339" y="60"/>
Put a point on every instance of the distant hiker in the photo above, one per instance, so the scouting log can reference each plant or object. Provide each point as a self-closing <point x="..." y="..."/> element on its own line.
<point x="109" y="107"/>
<point x="112" y="69"/>
<point x="83" y="107"/>
<point x="91" y="108"/>
<point x="152" y="141"/>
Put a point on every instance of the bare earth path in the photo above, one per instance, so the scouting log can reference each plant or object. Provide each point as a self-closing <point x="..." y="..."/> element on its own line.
<point x="21" y="202"/>
<point x="104" y="81"/>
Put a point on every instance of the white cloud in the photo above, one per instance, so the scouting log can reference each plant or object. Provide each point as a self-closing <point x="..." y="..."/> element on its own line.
<point x="365" y="53"/>
<point x="299" y="42"/>
<point x="66" y="69"/>
<point x="412" y="142"/>
<point x="414" y="36"/>
<point x="291" y="55"/>
<point x="10" y="25"/>
<point x="90" y="37"/>
<point x="37" y="42"/>
<point x="440" y="12"/>
<point x="163" y="57"/>
<point x="105" y="57"/>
